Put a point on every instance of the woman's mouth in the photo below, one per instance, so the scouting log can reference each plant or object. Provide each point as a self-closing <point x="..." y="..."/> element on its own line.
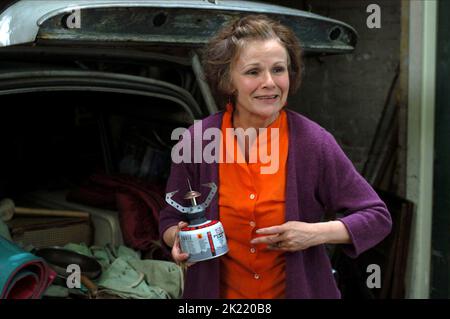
<point x="267" y="98"/>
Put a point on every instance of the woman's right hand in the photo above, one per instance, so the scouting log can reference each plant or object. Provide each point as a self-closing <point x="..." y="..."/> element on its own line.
<point x="177" y="254"/>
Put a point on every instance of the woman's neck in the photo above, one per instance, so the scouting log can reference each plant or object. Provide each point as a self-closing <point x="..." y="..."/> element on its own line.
<point x="251" y="121"/>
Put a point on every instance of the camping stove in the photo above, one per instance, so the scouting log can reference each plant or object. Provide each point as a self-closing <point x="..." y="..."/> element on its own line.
<point x="202" y="239"/>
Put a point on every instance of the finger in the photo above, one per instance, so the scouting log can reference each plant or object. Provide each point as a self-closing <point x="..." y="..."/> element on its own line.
<point x="182" y="257"/>
<point x="281" y="246"/>
<point x="176" y="242"/>
<point x="182" y="224"/>
<point x="177" y="254"/>
<point x="272" y="239"/>
<point x="270" y="230"/>
<point x="177" y="248"/>
<point x="275" y="248"/>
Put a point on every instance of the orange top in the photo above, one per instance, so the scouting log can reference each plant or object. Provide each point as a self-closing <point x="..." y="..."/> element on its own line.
<point x="249" y="200"/>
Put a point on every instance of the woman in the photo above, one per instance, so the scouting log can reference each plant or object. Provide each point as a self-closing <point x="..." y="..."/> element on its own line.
<point x="273" y="222"/>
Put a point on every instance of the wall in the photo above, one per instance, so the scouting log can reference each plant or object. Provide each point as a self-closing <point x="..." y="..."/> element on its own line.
<point x="346" y="93"/>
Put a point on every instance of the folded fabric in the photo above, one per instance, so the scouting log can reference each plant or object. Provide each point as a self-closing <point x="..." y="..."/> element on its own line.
<point x="123" y="280"/>
<point x="126" y="275"/>
<point x="163" y="274"/>
<point x="22" y="274"/>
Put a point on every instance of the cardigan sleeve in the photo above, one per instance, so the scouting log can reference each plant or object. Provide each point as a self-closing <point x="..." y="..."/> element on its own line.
<point x="366" y="216"/>
<point x="179" y="174"/>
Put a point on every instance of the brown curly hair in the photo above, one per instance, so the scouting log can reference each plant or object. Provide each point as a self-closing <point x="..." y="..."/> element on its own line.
<point x="222" y="50"/>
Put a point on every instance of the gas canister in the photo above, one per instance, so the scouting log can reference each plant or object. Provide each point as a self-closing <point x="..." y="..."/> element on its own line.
<point x="202" y="239"/>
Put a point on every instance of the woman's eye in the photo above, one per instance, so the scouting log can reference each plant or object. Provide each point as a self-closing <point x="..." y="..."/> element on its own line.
<point x="279" y="69"/>
<point x="252" y="72"/>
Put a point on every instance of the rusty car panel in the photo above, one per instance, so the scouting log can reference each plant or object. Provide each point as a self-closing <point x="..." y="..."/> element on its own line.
<point x="160" y="22"/>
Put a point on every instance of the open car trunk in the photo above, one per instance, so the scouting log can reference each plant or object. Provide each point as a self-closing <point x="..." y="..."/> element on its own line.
<point x="68" y="121"/>
<point x="101" y="96"/>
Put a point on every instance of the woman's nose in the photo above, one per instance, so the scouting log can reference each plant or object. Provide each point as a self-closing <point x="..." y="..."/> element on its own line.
<point x="268" y="80"/>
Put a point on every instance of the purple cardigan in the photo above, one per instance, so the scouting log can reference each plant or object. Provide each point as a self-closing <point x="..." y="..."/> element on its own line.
<point x="320" y="178"/>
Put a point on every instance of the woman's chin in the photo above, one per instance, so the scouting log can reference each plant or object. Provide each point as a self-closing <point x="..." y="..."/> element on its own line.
<point x="268" y="111"/>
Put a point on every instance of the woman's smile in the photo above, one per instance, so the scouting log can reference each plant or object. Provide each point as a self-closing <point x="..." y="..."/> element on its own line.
<point x="268" y="99"/>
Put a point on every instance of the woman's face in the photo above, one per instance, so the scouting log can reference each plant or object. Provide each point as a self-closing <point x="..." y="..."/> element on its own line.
<point x="261" y="79"/>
